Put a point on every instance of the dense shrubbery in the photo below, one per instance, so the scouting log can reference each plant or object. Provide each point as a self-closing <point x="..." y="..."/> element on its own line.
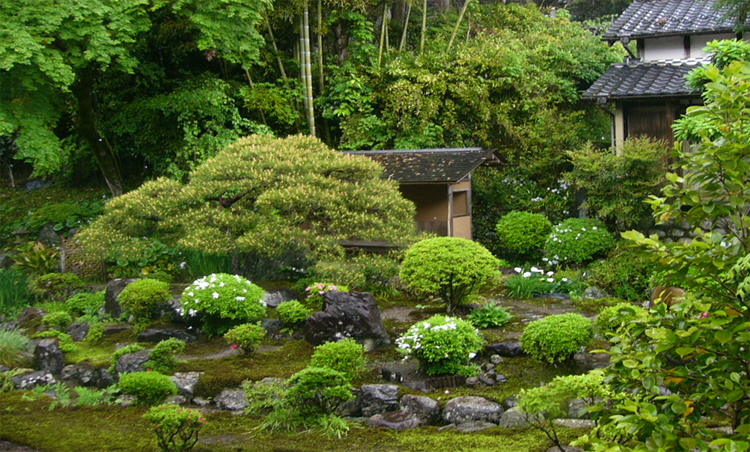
<point x="612" y="318"/>
<point x="85" y="303"/>
<point x="317" y="391"/>
<point x="345" y="356"/>
<point x="163" y="357"/>
<point x="142" y="298"/>
<point x="57" y="319"/>
<point x="149" y="388"/>
<point x="223" y="300"/>
<point x="556" y="338"/>
<point x="14" y="292"/>
<point x="57" y="286"/>
<point x="448" y="267"/>
<point x="442" y="345"/>
<point x="625" y="273"/>
<point x="247" y="336"/>
<point x="523" y="233"/>
<point x="293" y="313"/>
<point x="176" y="428"/>
<point x="578" y="241"/>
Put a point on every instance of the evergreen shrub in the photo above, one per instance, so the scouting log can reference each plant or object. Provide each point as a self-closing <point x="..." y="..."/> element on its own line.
<point x="247" y="336"/>
<point x="142" y="298"/>
<point x="57" y="286"/>
<point x="345" y="356"/>
<point x="556" y="338"/>
<point x="223" y="301"/>
<point x="149" y="388"/>
<point x="85" y="303"/>
<point x="442" y="345"/>
<point x="624" y="273"/>
<point x="64" y="341"/>
<point x="523" y="233"/>
<point x="449" y="267"/>
<point x="163" y="357"/>
<point x="316" y="391"/>
<point x="57" y="319"/>
<point x="176" y="428"/>
<point x="577" y="241"/>
<point x="293" y="313"/>
<point x="611" y="319"/>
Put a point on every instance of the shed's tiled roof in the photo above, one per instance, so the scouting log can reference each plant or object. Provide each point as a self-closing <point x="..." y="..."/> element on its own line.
<point x="428" y="165"/>
<point x="644" y="18"/>
<point x="645" y="79"/>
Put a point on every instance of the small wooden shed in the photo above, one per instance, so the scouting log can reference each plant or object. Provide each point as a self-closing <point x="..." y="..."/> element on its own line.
<point x="437" y="181"/>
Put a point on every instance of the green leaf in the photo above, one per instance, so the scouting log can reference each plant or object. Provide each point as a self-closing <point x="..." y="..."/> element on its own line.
<point x="735" y="395"/>
<point x="723" y="336"/>
<point x="630" y="363"/>
<point x="682" y="351"/>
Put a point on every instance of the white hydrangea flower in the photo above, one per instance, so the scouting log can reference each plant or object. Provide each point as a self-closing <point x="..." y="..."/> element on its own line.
<point x="240" y="298"/>
<point x="215" y="294"/>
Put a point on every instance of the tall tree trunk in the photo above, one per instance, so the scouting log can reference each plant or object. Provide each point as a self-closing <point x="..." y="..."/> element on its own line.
<point x="458" y="23"/>
<point x="276" y="51"/>
<point x="406" y="27"/>
<point x="424" y="27"/>
<point x="307" y="71"/>
<point x="86" y="126"/>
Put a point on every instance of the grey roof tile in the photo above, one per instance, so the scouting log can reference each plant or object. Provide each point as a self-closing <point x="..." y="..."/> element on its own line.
<point x="644" y="18"/>
<point x="428" y="165"/>
<point x="645" y="79"/>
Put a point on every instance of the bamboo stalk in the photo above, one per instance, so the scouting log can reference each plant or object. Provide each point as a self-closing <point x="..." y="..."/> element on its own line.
<point x="276" y="50"/>
<point x="424" y="26"/>
<point x="308" y="70"/>
<point x="406" y="26"/>
<point x="458" y="23"/>
<point x="320" y="47"/>
<point x="382" y="34"/>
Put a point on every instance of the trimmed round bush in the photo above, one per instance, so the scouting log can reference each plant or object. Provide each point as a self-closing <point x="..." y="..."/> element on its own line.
<point x="316" y="391"/>
<point x="523" y="232"/>
<point x="247" y="336"/>
<point x="449" y="267"/>
<point x="224" y="301"/>
<point x="57" y="319"/>
<point x="443" y="345"/>
<point x="578" y="240"/>
<point x="610" y="319"/>
<point x="293" y="313"/>
<point x="85" y="303"/>
<point x="141" y="298"/>
<point x="345" y="356"/>
<point x="176" y="427"/>
<point x="163" y="357"/>
<point x="556" y="338"/>
<point x="149" y="388"/>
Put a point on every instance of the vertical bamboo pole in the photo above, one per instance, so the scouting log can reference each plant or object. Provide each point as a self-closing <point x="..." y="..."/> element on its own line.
<point x="424" y="26"/>
<point x="382" y="33"/>
<point x="320" y="47"/>
<point x="308" y="69"/>
<point x="406" y="26"/>
<point x="458" y="23"/>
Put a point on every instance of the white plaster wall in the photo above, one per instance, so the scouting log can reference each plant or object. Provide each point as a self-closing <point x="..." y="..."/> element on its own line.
<point x="670" y="48"/>
<point x="697" y="43"/>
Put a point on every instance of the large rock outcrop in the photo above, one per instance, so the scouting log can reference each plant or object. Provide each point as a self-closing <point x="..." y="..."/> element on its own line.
<point x="347" y="314"/>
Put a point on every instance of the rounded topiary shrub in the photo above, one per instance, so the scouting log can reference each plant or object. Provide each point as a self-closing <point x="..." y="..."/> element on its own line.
<point x="149" y="388"/>
<point x="442" y="345"/>
<point x="556" y="338"/>
<point x="523" y="233"/>
<point x="578" y="240"/>
<point x="315" y="391"/>
<point x="611" y="319"/>
<point x="176" y="428"/>
<point x="449" y="267"/>
<point x="85" y="303"/>
<point x="346" y="356"/>
<point x="223" y="301"/>
<point x="142" y="298"/>
<point x="247" y="336"/>
<point x="293" y="313"/>
<point x="57" y="319"/>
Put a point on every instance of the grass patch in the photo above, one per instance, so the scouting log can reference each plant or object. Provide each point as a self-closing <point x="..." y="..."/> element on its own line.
<point x="96" y="354"/>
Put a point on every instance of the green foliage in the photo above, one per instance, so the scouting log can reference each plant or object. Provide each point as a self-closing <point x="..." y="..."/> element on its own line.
<point x="96" y="332"/>
<point x="443" y="345"/>
<point x="64" y="340"/>
<point x="577" y="241"/>
<point x="176" y="428"/>
<point x="36" y="259"/>
<point x="528" y="284"/>
<point x="14" y="349"/>
<point x="263" y="396"/>
<point x="14" y="292"/>
<point x="57" y="287"/>
<point x="617" y="184"/>
<point x="449" y="267"/>
<point x="247" y="336"/>
<point x="163" y="357"/>
<point x="543" y="404"/>
<point x="92" y="397"/>
<point x="85" y="303"/>
<point x="63" y="215"/>
<point x="523" y="233"/>
<point x="120" y="352"/>
<point x="491" y="315"/>
<point x="156" y="258"/>
<point x="142" y="298"/>
<point x="316" y="391"/>
<point x="57" y="319"/>
<point x="298" y="191"/>
<point x="345" y="356"/>
<point x="149" y="388"/>
<point x="625" y="273"/>
<point x="317" y="290"/>
<point x="556" y="338"/>
<point x="222" y="299"/>
<point x="611" y="319"/>
<point x="293" y="313"/>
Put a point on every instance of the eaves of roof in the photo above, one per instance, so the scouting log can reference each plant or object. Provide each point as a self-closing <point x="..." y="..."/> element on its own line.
<point x="428" y="165"/>
<point x="645" y="80"/>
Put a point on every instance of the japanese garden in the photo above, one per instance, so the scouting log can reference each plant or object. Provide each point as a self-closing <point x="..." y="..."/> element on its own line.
<point x="350" y="225"/>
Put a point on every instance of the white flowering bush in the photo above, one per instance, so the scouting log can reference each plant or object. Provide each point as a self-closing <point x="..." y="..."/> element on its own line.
<point x="222" y="301"/>
<point x="536" y="281"/>
<point x="442" y="345"/>
<point x="577" y="241"/>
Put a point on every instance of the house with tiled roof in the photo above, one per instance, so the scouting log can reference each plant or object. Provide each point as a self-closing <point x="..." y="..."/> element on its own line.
<point x="437" y="181"/>
<point x="648" y="90"/>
